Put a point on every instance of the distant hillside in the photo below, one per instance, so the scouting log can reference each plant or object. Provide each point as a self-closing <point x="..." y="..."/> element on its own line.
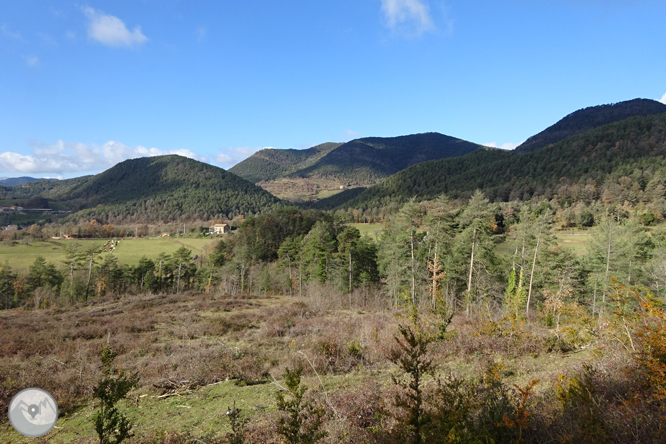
<point x="358" y="162"/>
<point x="270" y="163"/>
<point x="50" y="189"/>
<point x="632" y="147"/>
<point x="168" y="188"/>
<point x="327" y="169"/>
<point x="366" y="161"/>
<point x="589" y="118"/>
<point x="11" y="181"/>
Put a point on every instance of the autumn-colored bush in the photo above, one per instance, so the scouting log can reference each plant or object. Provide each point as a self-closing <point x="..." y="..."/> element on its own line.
<point x="651" y="358"/>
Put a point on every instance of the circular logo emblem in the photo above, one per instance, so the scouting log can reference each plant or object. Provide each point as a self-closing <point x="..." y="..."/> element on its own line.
<point x="33" y="412"/>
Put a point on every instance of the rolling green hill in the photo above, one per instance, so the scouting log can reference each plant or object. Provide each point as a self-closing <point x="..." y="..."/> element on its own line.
<point x="164" y="188"/>
<point x="634" y="148"/>
<point x="587" y="119"/>
<point x="271" y="163"/>
<point x="168" y="188"/>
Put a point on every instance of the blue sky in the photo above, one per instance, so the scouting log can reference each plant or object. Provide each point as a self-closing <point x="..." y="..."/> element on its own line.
<point x="84" y="85"/>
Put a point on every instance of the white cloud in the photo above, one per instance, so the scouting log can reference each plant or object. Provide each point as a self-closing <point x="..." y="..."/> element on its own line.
<point x="11" y="34"/>
<point x="504" y="146"/>
<point x="67" y="158"/>
<point x="663" y="99"/>
<point x="32" y="61"/>
<point x="409" y="17"/>
<point x="352" y="133"/>
<point x="71" y="35"/>
<point x="111" y="31"/>
<point x="229" y="157"/>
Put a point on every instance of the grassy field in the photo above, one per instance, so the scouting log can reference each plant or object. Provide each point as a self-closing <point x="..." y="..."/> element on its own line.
<point x="372" y="230"/>
<point x="575" y="240"/>
<point x="301" y="189"/>
<point x="327" y="193"/>
<point x="129" y="251"/>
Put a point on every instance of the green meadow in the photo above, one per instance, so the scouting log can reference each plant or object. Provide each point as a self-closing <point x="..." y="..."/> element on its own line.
<point x="128" y="251"/>
<point x="372" y="230"/>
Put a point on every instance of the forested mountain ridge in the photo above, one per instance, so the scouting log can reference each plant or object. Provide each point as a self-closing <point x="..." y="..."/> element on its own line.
<point x="368" y="160"/>
<point x="634" y="148"/>
<point x="168" y="188"/>
<point x="271" y="163"/>
<point x="590" y="118"/>
<point x="360" y="162"/>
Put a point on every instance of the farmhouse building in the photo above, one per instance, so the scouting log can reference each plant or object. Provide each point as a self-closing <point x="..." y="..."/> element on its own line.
<point x="220" y="229"/>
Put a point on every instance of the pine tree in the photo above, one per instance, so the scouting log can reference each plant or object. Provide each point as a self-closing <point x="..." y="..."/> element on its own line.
<point x="111" y="425"/>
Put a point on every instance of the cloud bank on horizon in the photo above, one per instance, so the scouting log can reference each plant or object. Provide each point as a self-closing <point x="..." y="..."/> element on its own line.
<point x="66" y="158"/>
<point x="69" y="159"/>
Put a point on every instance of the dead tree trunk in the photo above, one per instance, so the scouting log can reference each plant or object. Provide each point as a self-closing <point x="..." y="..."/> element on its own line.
<point x="411" y="242"/>
<point x="529" y="293"/>
<point x="471" y="269"/>
<point x="89" y="274"/>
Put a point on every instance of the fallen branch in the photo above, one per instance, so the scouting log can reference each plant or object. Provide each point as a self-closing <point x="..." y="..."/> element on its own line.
<point x="630" y="340"/>
<point x="173" y="394"/>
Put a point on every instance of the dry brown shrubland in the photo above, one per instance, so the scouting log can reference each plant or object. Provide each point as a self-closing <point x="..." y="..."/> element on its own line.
<point x="596" y="384"/>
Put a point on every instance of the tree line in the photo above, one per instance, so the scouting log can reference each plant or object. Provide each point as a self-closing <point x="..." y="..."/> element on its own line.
<point x="441" y="253"/>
